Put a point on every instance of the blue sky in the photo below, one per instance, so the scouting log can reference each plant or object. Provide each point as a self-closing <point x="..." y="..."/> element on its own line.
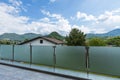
<point x="45" y="16"/>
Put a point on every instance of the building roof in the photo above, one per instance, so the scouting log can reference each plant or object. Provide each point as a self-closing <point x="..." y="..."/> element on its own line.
<point x="52" y="40"/>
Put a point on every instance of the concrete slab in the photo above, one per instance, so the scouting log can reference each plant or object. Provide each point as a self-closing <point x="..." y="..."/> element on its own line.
<point x="12" y="73"/>
<point x="79" y="74"/>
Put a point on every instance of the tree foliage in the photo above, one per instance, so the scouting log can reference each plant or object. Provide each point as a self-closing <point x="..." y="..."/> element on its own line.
<point x="97" y="42"/>
<point x="8" y="42"/>
<point x="115" y="41"/>
<point x="76" y="38"/>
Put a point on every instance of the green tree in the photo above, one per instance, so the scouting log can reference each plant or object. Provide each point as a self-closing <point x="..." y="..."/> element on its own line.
<point x="97" y="42"/>
<point x="75" y="38"/>
<point x="115" y="41"/>
<point x="5" y="42"/>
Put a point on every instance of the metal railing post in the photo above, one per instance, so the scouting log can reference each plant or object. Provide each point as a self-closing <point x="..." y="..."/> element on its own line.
<point x="87" y="60"/>
<point x="0" y="51"/>
<point x="54" y="57"/>
<point x="13" y="53"/>
<point x="30" y="55"/>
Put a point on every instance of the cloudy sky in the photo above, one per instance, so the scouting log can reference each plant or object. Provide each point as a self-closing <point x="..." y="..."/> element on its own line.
<point x="45" y="16"/>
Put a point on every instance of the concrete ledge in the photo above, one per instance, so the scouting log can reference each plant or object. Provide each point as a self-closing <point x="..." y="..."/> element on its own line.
<point x="51" y="73"/>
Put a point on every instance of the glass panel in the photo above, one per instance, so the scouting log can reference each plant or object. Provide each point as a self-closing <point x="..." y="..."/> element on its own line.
<point x="70" y="57"/>
<point x="43" y="55"/>
<point x="6" y="51"/>
<point x="105" y="60"/>
<point x="22" y="53"/>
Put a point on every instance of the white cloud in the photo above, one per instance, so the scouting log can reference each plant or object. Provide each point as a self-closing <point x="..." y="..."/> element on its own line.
<point x="82" y="28"/>
<point x="15" y="2"/>
<point x="45" y="28"/>
<point x="105" y="22"/>
<point x="18" y="5"/>
<point x="109" y="20"/>
<point x="8" y="9"/>
<point x="61" y="24"/>
<point x="111" y="16"/>
<point x="52" y="1"/>
<point x="12" y="22"/>
<point x="84" y="16"/>
<point x="45" y="20"/>
<point x="57" y="16"/>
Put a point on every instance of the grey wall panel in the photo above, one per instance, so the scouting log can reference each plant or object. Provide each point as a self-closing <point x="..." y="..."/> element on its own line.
<point x="43" y="55"/>
<point x="22" y="53"/>
<point x="105" y="60"/>
<point x="6" y="51"/>
<point x="70" y="57"/>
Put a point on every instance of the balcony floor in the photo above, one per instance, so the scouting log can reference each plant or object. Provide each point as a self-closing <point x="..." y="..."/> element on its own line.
<point x="12" y="73"/>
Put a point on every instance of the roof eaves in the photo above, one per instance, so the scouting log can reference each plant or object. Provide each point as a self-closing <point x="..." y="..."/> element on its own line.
<point x="45" y="38"/>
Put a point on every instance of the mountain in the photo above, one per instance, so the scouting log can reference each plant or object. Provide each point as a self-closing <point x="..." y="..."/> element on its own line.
<point x="55" y="35"/>
<point x="10" y="36"/>
<point x="113" y="33"/>
<point x="30" y="35"/>
<point x="14" y="36"/>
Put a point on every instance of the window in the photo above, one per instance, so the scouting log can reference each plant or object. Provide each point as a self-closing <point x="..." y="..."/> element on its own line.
<point x="41" y="41"/>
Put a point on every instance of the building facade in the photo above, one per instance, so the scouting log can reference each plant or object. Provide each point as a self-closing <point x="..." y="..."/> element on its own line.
<point x="43" y="41"/>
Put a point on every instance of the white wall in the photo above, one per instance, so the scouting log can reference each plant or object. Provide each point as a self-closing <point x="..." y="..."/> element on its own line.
<point x="37" y="42"/>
